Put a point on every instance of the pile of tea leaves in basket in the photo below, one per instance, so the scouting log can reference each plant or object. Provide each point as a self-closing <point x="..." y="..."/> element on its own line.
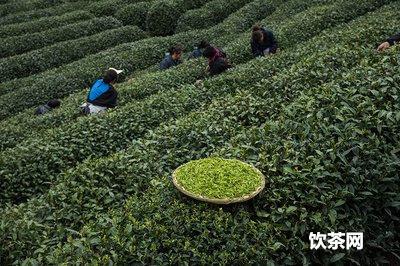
<point x="219" y="178"/>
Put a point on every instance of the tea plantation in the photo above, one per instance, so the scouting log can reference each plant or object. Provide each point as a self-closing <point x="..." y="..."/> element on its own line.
<point x="320" y="120"/>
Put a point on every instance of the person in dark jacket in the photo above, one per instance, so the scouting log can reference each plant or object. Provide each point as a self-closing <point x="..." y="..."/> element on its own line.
<point x="198" y="50"/>
<point x="53" y="103"/>
<point x="102" y="94"/>
<point x="173" y="58"/>
<point x="389" y="42"/>
<point x="263" y="42"/>
<point x="217" y="61"/>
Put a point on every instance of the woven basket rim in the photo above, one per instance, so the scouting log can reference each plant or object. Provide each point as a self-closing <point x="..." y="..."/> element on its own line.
<point x="219" y="201"/>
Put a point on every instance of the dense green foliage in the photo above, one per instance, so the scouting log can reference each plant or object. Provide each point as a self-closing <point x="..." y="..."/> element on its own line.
<point x="218" y="178"/>
<point x="121" y="135"/>
<point x="163" y="15"/>
<point x="25" y="43"/>
<point x="65" y="52"/>
<point x="209" y="15"/>
<point x="130" y="57"/>
<point x="44" y="24"/>
<point x="35" y="14"/>
<point x="321" y="121"/>
<point x="134" y="14"/>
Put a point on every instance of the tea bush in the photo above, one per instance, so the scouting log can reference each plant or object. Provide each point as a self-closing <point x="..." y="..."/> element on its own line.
<point x="9" y="8"/>
<point x="209" y="15"/>
<point x="44" y="24"/>
<point x="65" y="52"/>
<point x="156" y="155"/>
<point x="133" y="119"/>
<point x="107" y="7"/>
<point x="30" y="15"/>
<point x="163" y="15"/>
<point x="25" y="43"/>
<point x="134" y="14"/>
<point x="130" y="57"/>
<point x="287" y="214"/>
<point x="324" y="130"/>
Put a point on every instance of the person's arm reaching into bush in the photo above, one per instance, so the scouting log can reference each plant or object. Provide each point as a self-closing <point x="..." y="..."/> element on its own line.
<point x="389" y="42"/>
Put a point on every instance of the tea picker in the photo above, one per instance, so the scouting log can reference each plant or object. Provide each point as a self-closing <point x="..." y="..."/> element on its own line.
<point x="263" y="42"/>
<point x="389" y="42"/>
<point x="102" y="94"/>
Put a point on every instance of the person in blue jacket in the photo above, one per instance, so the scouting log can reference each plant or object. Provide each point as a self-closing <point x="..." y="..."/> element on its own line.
<point x="198" y="50"/>
<point x="172" y="58"/>
<point x="389" y="42"/>
<point x="102" y="94"/>
<point x="263" y="42"/>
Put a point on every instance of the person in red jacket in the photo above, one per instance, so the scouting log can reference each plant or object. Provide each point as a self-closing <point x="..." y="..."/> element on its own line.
<point x="389" y="42"/>
<point x="217" y="60"/>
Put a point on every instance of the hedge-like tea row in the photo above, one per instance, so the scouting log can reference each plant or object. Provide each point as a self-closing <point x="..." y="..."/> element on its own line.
<point x="134" y="14"/>
<point x="15" y="133"/>
<point x="80" y="194"/>
<point x="18" y="6"/>
<point x="25" y="43"/>
<point x="337" y="142"/>
<point x="209" y="15"/>
<point x="142" y="87"/>
<point x="44" y="24"/>
<point x="26" y="16"/>
<point x="305" y="25"/>
<point x="130" y="57"/>
<point x="163" y="15"/>
<point x="133" y="120"/>
<point x="201" y="135"/>
<point x="237" y="22"/>
<point x="204" y="133"/>
<point x="65" y="52"/>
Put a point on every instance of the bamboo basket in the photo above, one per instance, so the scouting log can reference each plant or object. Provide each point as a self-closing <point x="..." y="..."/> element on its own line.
<point x="218" y="201"/>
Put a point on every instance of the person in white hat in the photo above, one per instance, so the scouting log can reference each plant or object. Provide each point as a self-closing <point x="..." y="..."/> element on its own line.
<point x="102" y="94"/>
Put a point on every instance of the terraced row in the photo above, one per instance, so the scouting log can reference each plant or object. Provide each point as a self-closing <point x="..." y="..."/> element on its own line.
<point x="200" y="134"/>
<point x="61" y="53"/>
<point x="44" y="24"/>
<point x="21" y="44"/>
<point x="101" y="184"/>
<point x="132" y="120"/>
<point x="130" y="57"/>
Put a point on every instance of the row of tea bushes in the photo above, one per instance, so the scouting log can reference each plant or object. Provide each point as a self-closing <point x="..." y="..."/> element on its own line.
<point x="134" y="14"/>
<point x="109" y="7"/>
<point x="35" y="14"/>
<point x="86" y="191"/>
<point x="304" y="25"/>
<point x="25" y="43"/>
<point x="163" y="15"/>
<point x="52" y="122"/>
<point x="18" y="6"/>
<point x="130" y="57"/>
<point x="209" y="15"/>
<point x="290" y="148"/>
<point x="44" y="24"/>
<point x="108" y="181"/>
<point x="65" y="52"/>
<point x="133" y="119"/>
<point x="38" y="233"/>
<point x="339" y="142"/>
<point x="14" y="131"/>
